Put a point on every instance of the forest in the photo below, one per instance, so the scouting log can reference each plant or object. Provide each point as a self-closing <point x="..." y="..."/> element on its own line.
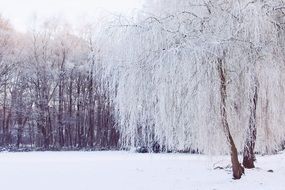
<point x="198" y="76"/>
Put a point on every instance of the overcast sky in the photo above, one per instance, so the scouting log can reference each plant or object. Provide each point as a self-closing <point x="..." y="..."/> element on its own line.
<point x="21" y="12"/>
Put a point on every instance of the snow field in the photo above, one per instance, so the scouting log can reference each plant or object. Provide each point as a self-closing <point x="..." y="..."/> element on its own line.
<point x="130" y="171"/>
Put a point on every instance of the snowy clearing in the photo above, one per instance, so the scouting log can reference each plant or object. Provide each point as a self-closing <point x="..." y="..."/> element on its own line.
<point x="130" y="171"/>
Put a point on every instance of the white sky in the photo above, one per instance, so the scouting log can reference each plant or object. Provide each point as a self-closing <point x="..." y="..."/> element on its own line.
<point x="21" y="12"/>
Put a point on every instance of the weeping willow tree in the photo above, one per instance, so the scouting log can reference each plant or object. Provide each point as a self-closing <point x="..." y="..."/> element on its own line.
<point x="194" y="75"/>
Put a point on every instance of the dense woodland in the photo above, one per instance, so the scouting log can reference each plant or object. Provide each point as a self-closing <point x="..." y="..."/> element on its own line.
<point x="52" y="95"/>
<point x="198" y="76"/>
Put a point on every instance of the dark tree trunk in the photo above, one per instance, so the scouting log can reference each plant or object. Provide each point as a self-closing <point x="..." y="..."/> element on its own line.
<point x="90" y="107"/>
<point x="70" y="110"/>
<point x="78" y="115"/>
<point x="238" y="170"/>
<point x="5" y="133"/>
<point x="60" y="116"/>
<point x="248" y="154"/>
<point x="60" y="103"/>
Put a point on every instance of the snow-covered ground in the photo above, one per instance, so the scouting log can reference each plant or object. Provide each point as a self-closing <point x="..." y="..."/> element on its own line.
<point x="130" y="171"/>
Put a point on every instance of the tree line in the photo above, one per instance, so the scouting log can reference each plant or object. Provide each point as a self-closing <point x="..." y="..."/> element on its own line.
<point x="52" y="95"/>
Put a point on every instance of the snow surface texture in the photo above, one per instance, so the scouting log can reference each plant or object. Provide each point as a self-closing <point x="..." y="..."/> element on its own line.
<point x="130" y="171"/>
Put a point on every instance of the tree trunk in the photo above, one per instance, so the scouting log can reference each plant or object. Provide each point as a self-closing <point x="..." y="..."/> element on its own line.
<point x="69" y="130"/>
<point x="238" y="170"/>
<point x="91" y="111"/>
<point x="248" y="154"/>
<point x="60" y="115"/>
<point x="60" y="103"/>
<point x="78" y="117"/>
<point x="4" y="114"/>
